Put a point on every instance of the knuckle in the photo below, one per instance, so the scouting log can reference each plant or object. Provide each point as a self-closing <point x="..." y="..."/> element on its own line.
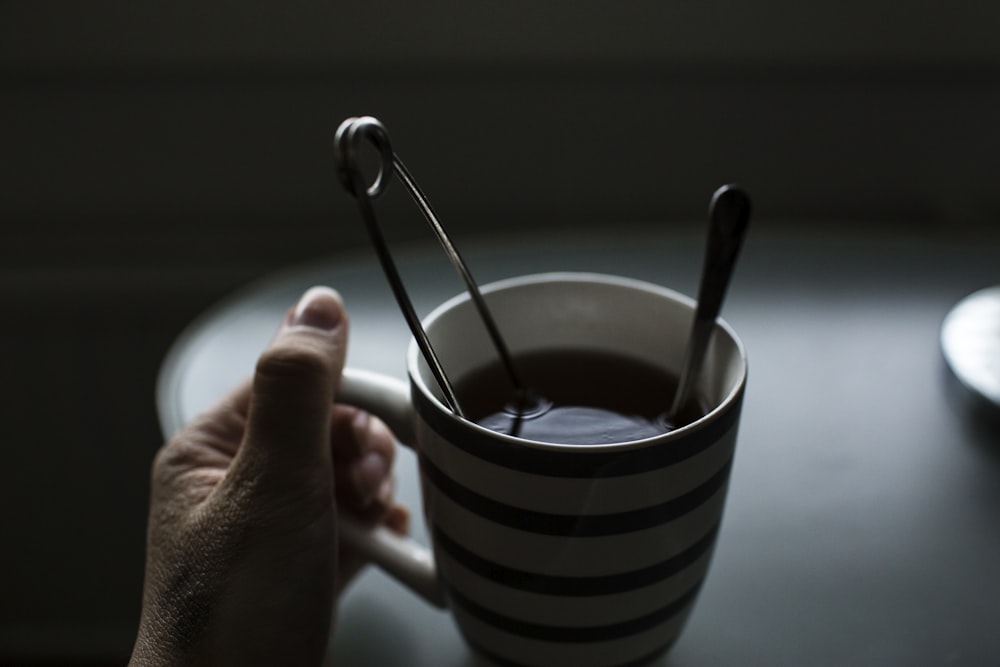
<point x="302" y="363"/>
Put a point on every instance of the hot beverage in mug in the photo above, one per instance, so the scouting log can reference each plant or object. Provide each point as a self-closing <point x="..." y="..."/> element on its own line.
<point x="584" y="397"/>
<point x="569" y="546"/>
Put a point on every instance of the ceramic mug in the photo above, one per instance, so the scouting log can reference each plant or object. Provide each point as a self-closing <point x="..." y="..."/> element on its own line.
<point x="554" y="554"/>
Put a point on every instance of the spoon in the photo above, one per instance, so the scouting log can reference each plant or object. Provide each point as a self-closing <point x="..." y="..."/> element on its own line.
<point x="729" y="215"/>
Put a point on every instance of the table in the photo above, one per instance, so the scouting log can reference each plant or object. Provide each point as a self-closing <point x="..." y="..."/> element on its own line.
<point x="863" y="520"/>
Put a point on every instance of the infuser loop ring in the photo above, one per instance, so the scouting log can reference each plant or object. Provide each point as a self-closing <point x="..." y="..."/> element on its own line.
<point x="345" y="152"/>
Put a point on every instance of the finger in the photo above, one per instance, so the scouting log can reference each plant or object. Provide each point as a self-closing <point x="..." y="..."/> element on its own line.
<point x="398" y="520"/>
<point x="363" y="453"/>
<point x="288" y="420"/>
<point x="344" y="442"/>
<point x="354" y="433"/>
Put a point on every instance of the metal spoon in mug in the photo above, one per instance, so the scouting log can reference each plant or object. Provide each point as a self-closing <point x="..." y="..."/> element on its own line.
<point x="729" y="215"/>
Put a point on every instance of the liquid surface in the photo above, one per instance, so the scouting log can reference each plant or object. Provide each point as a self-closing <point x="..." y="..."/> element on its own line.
<point x="586" y="398"/>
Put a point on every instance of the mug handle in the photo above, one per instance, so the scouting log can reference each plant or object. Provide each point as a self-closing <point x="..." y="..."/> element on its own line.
<point x="408" y="561"/>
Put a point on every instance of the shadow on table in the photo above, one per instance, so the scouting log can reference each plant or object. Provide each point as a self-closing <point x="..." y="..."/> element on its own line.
<point x="373" y="633"/>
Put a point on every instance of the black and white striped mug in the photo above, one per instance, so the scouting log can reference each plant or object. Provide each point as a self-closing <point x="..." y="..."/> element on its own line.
<point x="554" y="554"/>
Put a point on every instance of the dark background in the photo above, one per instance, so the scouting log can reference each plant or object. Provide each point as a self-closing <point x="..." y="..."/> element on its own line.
<point x="153" y="157"/>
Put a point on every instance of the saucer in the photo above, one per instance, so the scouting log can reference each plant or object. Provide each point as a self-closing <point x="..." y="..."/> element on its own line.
<point x="970" y="341"/>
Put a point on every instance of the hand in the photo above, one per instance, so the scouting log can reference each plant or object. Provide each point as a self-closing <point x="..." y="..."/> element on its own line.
<point x="243" y="565"/>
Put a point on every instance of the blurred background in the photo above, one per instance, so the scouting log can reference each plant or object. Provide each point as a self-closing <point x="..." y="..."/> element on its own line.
<point x="155" y="156"/>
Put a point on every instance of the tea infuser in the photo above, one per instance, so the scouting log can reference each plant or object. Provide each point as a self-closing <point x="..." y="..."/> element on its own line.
<point x="346" y="146"/>
<point x="729" y="215"/>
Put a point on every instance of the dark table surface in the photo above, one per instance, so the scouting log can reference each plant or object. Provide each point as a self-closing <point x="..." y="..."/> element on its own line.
<point x="863" y="520"/>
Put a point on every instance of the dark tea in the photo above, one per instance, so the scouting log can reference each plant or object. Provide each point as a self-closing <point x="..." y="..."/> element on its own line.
<point x="587" y="398"/>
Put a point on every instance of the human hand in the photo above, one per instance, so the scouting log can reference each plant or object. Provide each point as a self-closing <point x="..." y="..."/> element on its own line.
<point x="243" y="565"/>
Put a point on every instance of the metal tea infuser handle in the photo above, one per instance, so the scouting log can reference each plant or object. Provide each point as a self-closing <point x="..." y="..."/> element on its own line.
<point x="346" y="146"/>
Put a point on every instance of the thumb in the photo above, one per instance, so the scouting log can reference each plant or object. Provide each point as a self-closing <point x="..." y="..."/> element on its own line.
<point x="288" y="421"/>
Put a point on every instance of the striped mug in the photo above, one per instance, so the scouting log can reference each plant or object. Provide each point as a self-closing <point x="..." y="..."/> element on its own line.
<point x="556" y="554"/>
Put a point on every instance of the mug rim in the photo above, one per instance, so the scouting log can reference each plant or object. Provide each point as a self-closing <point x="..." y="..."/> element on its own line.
<point x="731" y="399"/>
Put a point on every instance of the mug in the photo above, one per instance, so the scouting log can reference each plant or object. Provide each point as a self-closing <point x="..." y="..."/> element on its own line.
<point x="556" y="554"/>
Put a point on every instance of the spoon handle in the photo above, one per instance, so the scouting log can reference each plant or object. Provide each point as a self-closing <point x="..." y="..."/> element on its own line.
<point x="729" y="215"/>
